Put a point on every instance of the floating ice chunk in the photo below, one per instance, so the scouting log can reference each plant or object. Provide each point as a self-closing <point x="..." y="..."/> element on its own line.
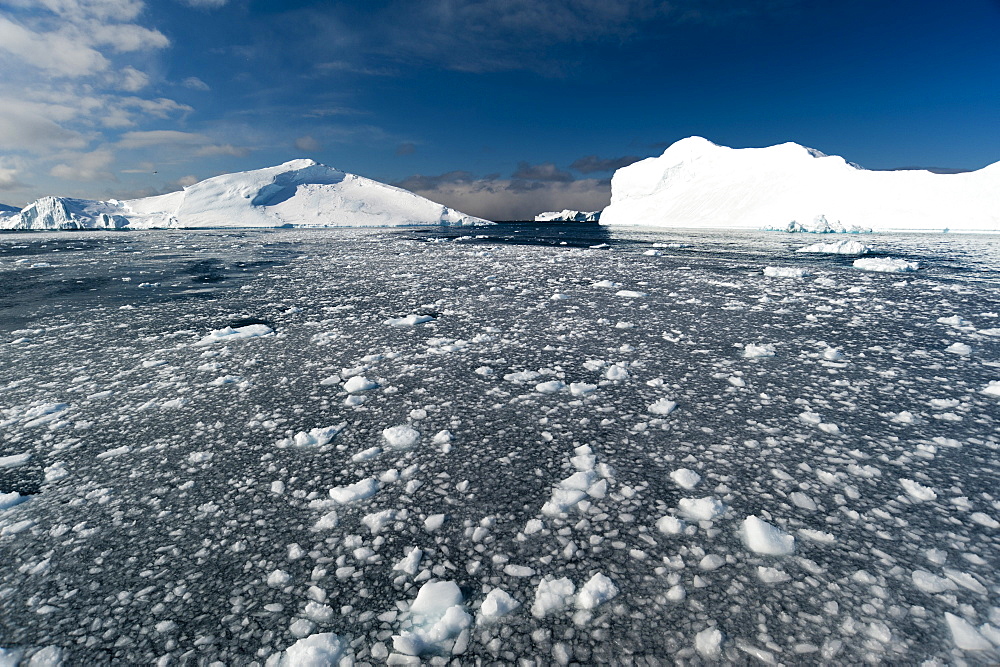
<point x="112" y="453"/>
<point x="8" y="500"/>
<point x="817" y="536"/>
<point x="411" y="561"/>
<point x="662" y="407"/>
<point x="930" y="583"/>
<point x="708" y="642"/>
<point x="711" y="562"/>
<point x="229" y="334"/>
<point x="319" y="650"/>
<point x="366" y="455"/>
<point x="562" y="500"/>
<point x="885" y="265"/>
<point x="606" y="283"/>
<point x="362" y="490"/>
<point x="616" y="373"/>
<point x="955" y="321"/>
<point x="359" y="383"/>
<point x="785" y="272"/>
<point x="965" y="635"/>
<point x="685" y="478"/>
<point x="802" y="500"/>
<point x="278" y="578"/>
<point x="992" y="389"/>
<point x="984" y="520"/>
<point x="772" y="575"/>
<point x="433" y="522"/>
<point x="669" y="525"/>
<point x="377" y="521"/>
<point x="438" y="617"/>
<point x="550" y="387"/>
<point x="850" y="247"/>
<point x="701" y="509"/>
<point x="522" y="376"/>
<point x="551" y="595"/>
<point x="14" y="460"/>
<point x="598" y="590"/>
<point x="961" y="349"/>
<point x="498" y="603"/>
<point x="316" y="437"/>
<point x="916" y="491"/>
<point x="401" y="437"/>
<point x="442" y="437"/>
<point x="518" y="571"/>
<point x="44" y="414"/>
<point x="409" y="320"/>
<point x="630" y="294"/>
<point x="764" y="538"/>
<point x="753" y="351"/>
<point x="582" y="388"/>
<point x="327" y="522"/>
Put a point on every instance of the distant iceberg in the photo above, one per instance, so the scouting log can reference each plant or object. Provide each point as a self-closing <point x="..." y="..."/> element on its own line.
<point x="568" y="215"/>
<point x="789" y="187"/>
<point x="300" y="193"/>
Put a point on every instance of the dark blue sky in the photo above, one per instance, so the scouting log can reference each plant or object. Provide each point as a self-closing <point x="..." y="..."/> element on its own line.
<point x="501" y="109"/>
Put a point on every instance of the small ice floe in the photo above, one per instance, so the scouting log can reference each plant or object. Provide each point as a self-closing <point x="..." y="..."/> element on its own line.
<point x="606" y="284"/>
<point x="630" y="294"/>
<point x="685" y="478"/>
<point x="916" y="491"/>
<point x="14" y="460"/>
<point x="552" y="595"/>
<point x="401" y="437"/>
<point x="662" y="407"/>
<point x="324" y="649"/>
<point x="708" y="643"/>
<point x="409" y="320"/>
<point x="992" y="389"/>
<point x="701" y="509"/>
<point x="239" y="333"/>
<point x="350" y="493"/>
<point x="753" y="351"/>
<point x="965" y="635"/>
<point x="8" y="500"/>
<point x="785" y="272"/>
<point x="498" y="603"/>
<point x="598" y="590"/>
<point x="550" y="387"/>
<point x="885" y="265"/>
<point x="763" y="538"/>
<point x="850" y="247"/>
<point x="316" y="437"/>
<point x="359" y="383"/>
<point x="438" y="618"/>
<point x="961" y="349"/>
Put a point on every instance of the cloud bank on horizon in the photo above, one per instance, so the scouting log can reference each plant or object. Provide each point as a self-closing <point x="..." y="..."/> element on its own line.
<point x="500" y="110"/>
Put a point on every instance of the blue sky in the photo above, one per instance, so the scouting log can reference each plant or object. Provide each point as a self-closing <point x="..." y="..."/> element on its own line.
<point x="498" y="108"/>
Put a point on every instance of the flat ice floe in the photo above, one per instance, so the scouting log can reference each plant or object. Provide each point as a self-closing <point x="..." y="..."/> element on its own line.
<point x="885" y="265"/>
<point x="815" y="484"/>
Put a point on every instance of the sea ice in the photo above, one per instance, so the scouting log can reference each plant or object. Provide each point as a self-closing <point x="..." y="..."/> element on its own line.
<point x="764" y="538"/>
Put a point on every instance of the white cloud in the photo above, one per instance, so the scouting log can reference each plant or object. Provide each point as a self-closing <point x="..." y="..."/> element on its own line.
<point x="35" y="127"/>
<point x="92" y="166"/>
<point x="307" y="144"/>
<point x="213" y="150"/>
<point x="162" y="138"/>
<point x="133" y="80"/>
<point x="194" y="83"/>
<point x="205" y="4"/>
<point x="56" y="52"/>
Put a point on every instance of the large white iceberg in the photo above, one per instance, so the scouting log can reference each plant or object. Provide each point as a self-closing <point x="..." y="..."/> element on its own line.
<point x="300" y="193"/>
<point x="698" y="184"/>
<point x="568" y="215"/>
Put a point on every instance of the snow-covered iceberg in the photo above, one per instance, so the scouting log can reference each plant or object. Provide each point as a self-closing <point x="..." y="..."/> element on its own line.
<point x="300" y="193"/>
<point x="568" y="215"/>
<point x="698" y="184"/>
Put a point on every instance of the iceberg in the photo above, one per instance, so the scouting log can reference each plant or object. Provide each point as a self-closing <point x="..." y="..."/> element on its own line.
<point x="698" y="184"/>
<point x="568" y="215"/>
<point x="299" y="193"/>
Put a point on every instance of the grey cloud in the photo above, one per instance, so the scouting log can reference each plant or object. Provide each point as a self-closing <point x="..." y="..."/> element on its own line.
<point x="591" y="164"/>
<point x="307" y="143"/>
<point x="546" y="171"/>
<point x="509" y="199"/>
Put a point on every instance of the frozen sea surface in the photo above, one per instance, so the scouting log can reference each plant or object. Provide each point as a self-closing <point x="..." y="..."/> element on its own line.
<point x="403" y="446"/>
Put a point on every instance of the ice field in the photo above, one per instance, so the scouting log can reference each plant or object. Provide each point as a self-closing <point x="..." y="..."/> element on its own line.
<point x="540" y="445"/>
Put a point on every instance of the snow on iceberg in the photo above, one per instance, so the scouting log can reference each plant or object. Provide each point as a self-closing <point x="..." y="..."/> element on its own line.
<point x="847" y="247"/>
<point x="567" y="215"/>
<point x="885" y="265"/>
<point x="696" y="183"/>
<point x="299" y="193"/>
